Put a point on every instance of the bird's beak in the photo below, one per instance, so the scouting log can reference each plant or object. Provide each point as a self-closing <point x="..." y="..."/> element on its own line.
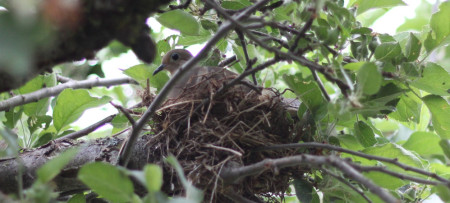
<point x="159" y="69"/>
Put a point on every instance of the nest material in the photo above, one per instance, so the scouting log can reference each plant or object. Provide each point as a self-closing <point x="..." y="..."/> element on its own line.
<point x="223" y="133"/>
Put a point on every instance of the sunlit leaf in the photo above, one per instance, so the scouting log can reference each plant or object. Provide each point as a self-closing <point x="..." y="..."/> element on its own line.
<point x="180" y="20"/>
<point x="434" y="80"/>
<point x="440" y="111"/>
<point x="107" y="181"/>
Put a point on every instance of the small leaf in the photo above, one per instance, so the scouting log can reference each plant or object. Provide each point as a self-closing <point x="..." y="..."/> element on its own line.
<point x="369" y="79"/>
<point x="424" y="143"/>
<point x="153" y="177"/>
<point x="236" y="5"/>
<point x="440" y="111"/>
<point x="52" y="168"/>
<point x="364" y="134"/>
<point x="107" y="181"/>
<point x="180" y="20"/>
<point x="303" y="190"/>
<point x="434" y="80"/>
<point x="412" y="48"/>
<point x="40" y="107"/>
<point x="78" y="198"/>
<point x="388" y="51"/>
<point x="71" y="104"/>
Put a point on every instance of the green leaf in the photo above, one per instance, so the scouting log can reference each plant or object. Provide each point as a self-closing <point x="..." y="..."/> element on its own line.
<point x="445" y="146"/>
<point x="192" y="192"/>
<point x="180" y="20"/>
<point x="443" y="192"/>
<point x="388" y="51"/>
<point x="365" y="134"/>
<point x="369" y="79"/>
<point x="71" y="104"/>
<point x="440" y="26"/>
<point x="203" y="36"/>
<point x="143" y="72"/>
<point x="78" y="198"/>
<point x="309" y="92"/>
<point x="303" y="190"/>
<point x="408" y="109"/>
<point x="393" y="151"/>
<point x="434" y="80"/>
<point x="364" y="5"/>
<point x="440" y="111"/>
<point x="412" y="48"/>
<point x="107" y="181"/>
<point x="41" y="106"/>
<point x="153" y="177"/>
<point x="424" y="143"/>
<point x="52" y="168"/>
<point x="236" y="5"/>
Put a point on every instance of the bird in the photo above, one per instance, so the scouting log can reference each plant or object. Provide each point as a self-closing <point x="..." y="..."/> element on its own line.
<point x="174" y="59"/>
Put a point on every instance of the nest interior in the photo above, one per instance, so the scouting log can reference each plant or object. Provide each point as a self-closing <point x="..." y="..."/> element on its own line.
<point x="223" y="133"/>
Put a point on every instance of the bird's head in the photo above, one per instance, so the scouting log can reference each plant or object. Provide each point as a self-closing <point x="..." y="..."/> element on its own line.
<point x="173" y="60"/>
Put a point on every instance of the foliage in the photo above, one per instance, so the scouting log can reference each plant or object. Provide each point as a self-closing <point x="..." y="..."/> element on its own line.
<point x="380" y="94"/>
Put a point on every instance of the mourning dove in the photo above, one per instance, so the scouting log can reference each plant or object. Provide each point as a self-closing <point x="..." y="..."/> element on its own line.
<point x="174" y="59"/>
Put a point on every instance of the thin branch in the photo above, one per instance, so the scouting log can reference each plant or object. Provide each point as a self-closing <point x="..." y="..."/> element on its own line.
<point x="63" y="79"/>
<point x="302" y="32"/>
<point x="360" y="154"/>
<point x="181" y="6"/>
<point x="249" y="63"/>
<point x="125" y="112"/>
<point x="289" y="55"/>
<point x="342" y="180"/>
<point x="53" y="91"/>
<point x="86" y="131"/>
<point x="357" y="176"/>
<point x="223" y="30"/>
<point x="395" y="174"/>
<point x="279" y="41"/>
<point x="231" y="175"/>
<point x="321" y="87"/>
<point x="227" y="61"/>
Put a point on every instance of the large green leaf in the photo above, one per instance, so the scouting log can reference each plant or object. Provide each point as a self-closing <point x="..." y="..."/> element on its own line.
<point x="440" y="111"/>
<point x="393" y="151"/>
<point x="71" y="104"/>
<point x="50" y="169"/>
<point x="107" y="181"/>
<point x="369" y="79"/>
<point x="180" y="20"/>
<point x="304" y="190"/>
<point x="309" y="92"/>
<point x="440" y="26"/>
<point x="424" y="143"/>
<point x="434" y="80"/>
<point x="388" y="51"/>
<point x="364" y="5"/>
<point x="143" y="72"/>
<point x="236" y="5"/>
<point x="408" y="108"/>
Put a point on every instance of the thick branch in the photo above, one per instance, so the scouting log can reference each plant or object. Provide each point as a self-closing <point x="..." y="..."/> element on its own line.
<point x="53" y="91"/>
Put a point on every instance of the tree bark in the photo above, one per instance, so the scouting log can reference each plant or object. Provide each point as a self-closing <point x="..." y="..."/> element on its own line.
<point x="105" y="150"/>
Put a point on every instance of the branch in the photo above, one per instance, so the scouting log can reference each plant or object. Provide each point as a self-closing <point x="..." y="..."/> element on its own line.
<point x="360" y="154"/>
<point x="289" y="55"/>
<point x="227" y="61"/>
<point x="342" y="180"/>
<point x="223" y="30"/>
<point x="53" y="91"/>
<point x="86" y="131"/>
<point x="231" y="175"/>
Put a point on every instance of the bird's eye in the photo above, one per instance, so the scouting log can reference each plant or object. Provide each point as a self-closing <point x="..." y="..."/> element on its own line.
<point x="175" y="56"/>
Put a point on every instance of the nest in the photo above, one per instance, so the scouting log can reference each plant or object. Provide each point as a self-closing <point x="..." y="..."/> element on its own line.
<point x="224" y="133"/>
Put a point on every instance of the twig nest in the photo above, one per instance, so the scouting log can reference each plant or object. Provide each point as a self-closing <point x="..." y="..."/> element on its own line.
<point x="223" y="133"/>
